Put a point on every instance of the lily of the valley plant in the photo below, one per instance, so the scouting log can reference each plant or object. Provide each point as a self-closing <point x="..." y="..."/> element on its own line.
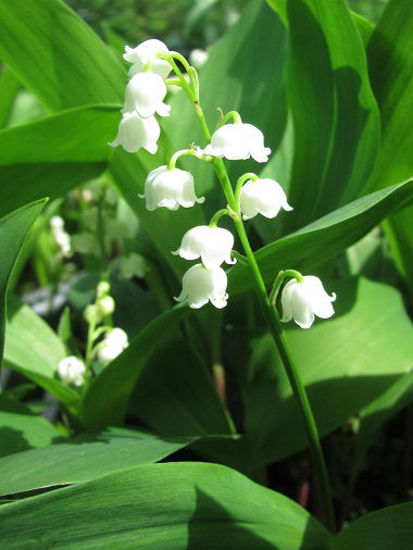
<point x="170" y="187"/>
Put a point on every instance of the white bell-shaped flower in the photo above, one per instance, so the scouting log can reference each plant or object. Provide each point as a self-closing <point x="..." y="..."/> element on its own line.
<point x="147" y="53"/>
<point x="170" y="189"/>
<point x="135" y="133"/>
<point x="212" y="244"/>
<point x="201" y="285"/>
<point x="113" y="344"/>
<point x="71" y="370"/>
<point x="145" y="93"/>
<point x="238" y="141"/>
<point x="301" y="301"/>
<point x="263" y="196"/>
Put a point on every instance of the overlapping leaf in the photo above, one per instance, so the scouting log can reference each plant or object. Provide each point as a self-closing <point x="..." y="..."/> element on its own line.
<point x="83" y="458"/>
<point x="13" y="231"/>
<point x="163" y="506"/>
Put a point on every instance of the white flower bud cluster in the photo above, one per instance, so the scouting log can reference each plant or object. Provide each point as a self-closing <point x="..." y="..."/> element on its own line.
<point x="71" y="370"/>
<point x="60" y="236"/>
<point x="144" y="97"/>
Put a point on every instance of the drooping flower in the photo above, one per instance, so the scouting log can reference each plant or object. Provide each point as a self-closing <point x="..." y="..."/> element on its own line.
<point x="201" y="285"/>
<point x="71" y="370"/>
<point x="263" y="196"/>
<point x="238" y="141"/>
<point x="136" y="132"/>
<point x="170" y="189"/>
<point x="145" y="93"/>
<point x="301" y="301"/>
<point x="61" y="237"/>
<point x="198" y="57"/>
<point x="113" y="344"/>
<point x="145" y="56"/>
<point x="212" y="244"/>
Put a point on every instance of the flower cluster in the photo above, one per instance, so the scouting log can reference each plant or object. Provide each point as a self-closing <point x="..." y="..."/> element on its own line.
<point x="60" y="236"/>
<point x="170" y="187"/>
<point x="144" y="97"/>
<point x="72" y="370"/>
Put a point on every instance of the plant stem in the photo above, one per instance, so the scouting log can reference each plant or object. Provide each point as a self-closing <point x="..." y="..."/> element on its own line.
<point x="274" y="325"/>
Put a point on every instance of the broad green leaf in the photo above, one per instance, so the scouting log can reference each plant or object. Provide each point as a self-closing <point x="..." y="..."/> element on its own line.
<point x="107" y="397"/>
<point x="387" y="529"/>
<point x="376" y="413"/>
<point x="55" y="54"/>
<point x="33" y="349"/>
<point x="175" y="393"/>
<point x="163" y="506"/>
<point x="83" y="458"/>
<point x="335" y="116"/>
<point x="345" y="363"/>
<point x="21" y="430"/>
<point x="54" y="154"/>
<point x="364" y="26"/>
<point x="13" y="231"/>
<point x="9" y="86"/>
<point x="390" y="57"/>
<point x="325" y="238"/>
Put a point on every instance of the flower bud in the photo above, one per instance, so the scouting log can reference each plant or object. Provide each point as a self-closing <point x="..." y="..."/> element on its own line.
<point x="113" y="344"/>
<point x="136" y="132"/>
<point x="144" y="94"/>
<point x="56" y="223"/>
<point x="238" y="141"/>
<point x="106" y="305"/>
<point x="102" y="288"/>
<point x="198" y="57"/>
<point x="147" y="53"/>
<point x="71" y="370"/>
<point x="212" y="244"/>
<point x="170" y="189"/>
<point x="201" y="285"/>
<point x="302" y="300"/>
<point x="92" y="314"/>
<point x="263" y="196"/>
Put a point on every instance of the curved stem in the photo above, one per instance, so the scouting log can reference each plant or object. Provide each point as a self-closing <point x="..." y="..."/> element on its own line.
<point x="279" y="281"/>
<point x="274" y="325"/>
<point x="236" y="117"/>
<point x="174" y="158"/>
<point x="217" y="216"/>
<point x="241" y="180"/>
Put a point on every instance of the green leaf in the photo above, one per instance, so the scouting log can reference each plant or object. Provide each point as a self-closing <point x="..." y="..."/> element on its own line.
<point x="68" y="148"/>
<point x="34" y="350"/>
<point x="377" y="412"/>
<point x="13" y="231"/>
<point x="163" y="506"/>
<point x="54" y="54"/>
<point x="325" y="238"/>
<point x="387" y="529"/>
<point x="107" y="397"/>
<point x="83" y="458"/>
<point x="345" y="362"/>
<point x="364" y="26"/>
<point x="336" y="119"/>
<point x="21" y="430"/>
<point x="9" y="86"/>
<point x="175" y="393"/>
<point x="390" y="57"/>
